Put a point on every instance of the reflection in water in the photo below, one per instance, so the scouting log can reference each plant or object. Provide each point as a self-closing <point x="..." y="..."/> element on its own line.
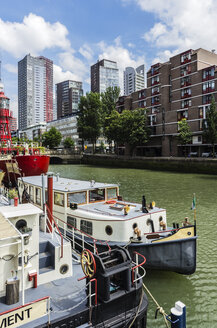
<point x="173" y="191"/>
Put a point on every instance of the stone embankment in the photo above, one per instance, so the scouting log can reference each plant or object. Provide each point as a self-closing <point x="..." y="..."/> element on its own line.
<point x="176" y="164"/>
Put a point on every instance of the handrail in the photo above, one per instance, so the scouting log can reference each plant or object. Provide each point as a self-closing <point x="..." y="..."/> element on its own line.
<point x="61" y="256"/>
<point x="138" y="265"/>
<point x="162" y="231"/>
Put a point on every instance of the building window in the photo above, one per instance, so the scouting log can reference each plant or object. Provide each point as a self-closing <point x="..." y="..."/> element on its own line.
<point x="186" y="57"/>
<point x="155" y="100"/>
<point x="142" y="104"/>
<point x="155" y="90"/>
<point x="182" y="115"/>
<point x="186" y="103"/>
<point x="208" y="86"/>
<point x="71" y="222"/>
<point x="185" y="70"/>
<point x="202" y="111"/>
<point x="77" y="198"/>
<point x="38" y="196"/>
<point x="96" y="195"/>
<point x="185" y="81"/>
<point x="207" y="99"/>
<point x="186" y="92"/>
<point x="87" y="227"/>
<point x="208" y="73"/>
<point x="151" y="120"/>
<point x="155" y="80"/>
<point x="155" y="69"/>
<point x="59" y="199"/>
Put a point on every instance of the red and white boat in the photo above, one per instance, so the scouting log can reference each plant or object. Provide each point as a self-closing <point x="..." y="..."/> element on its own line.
<point x="17" y="160"/>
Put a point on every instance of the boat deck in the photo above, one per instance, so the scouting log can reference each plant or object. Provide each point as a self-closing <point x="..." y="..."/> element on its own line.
<point x="66" y="295"/>
<point x="116" y="211"/>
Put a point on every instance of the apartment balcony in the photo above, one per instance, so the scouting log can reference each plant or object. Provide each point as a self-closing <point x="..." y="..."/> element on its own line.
<point x="155" y="72"/>
<point x="154" y="83"/>
<point x="185" y="61"/>
<point x="185" y="84"/>
<point x="186" y="96"/>
<point x="155" y="93"/>
<point x="156" y="102"/>
<point x="186" y="72"/>
<point x="208" y="90"/>
<point x="208" y="77"/>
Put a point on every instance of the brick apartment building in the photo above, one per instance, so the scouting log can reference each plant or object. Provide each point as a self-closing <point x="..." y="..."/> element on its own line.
<point x="177" y="89"/>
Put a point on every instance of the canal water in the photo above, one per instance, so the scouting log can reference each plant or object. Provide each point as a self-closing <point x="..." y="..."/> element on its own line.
<point x="173" y="191"/>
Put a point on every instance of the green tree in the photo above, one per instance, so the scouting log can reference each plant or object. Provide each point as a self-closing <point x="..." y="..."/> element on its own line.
<point x="52" y="138"/>
<point x="129" y="128"/>
<point x="210" y="125"/>
<point x="109" y="99"/>
<point x="90" y="118"/>
<point x="184" y="135"/>
<point x="134" y="128"/>
<point x="69" y="143"/>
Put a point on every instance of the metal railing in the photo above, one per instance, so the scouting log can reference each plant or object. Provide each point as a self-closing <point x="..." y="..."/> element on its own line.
<point x="137" y="266"/>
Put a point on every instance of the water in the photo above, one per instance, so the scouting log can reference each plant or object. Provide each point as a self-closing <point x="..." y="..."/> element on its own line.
<point x="173" y="191"/>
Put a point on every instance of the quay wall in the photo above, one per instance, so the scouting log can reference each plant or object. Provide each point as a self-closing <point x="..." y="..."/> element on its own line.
<point x="185" y="165"/>
<point x="175" y="164"/>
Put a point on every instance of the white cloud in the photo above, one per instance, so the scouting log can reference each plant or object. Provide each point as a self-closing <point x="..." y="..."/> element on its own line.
<point x="181" y="25"/>
<point x="86" y="52"/>
<point x="121" y="55"/>
<point x="11" y="68"/>
<point x="33" y="35"/>
<point x="60" y="75"/>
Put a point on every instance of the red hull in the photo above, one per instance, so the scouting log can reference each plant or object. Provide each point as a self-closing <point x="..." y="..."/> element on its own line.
<point x="28" y="165"/>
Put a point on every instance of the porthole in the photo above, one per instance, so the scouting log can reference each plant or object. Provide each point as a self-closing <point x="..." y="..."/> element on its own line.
<point x="64" y="268"/>
<point x="109" y="230"/>
<point x="160" y="218"/>
<point x="21" y="225"/>
<point x="134" y="225"/>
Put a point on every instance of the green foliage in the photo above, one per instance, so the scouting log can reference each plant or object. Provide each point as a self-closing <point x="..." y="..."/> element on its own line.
<point x="90" y="118"/>
<point x="52" y="138"/>
<point x="210" y="125"/>
<point x="129" y="127"/>
<point x="185" y="134"/>
<point x="109" y="99"/>
<point x="68" y="143"/>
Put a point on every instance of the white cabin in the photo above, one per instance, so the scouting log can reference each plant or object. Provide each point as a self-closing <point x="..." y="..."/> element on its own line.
<point x="95" y="209"/>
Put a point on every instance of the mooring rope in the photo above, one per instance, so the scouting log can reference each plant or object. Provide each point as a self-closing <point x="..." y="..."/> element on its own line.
<point x="159" y="308"/>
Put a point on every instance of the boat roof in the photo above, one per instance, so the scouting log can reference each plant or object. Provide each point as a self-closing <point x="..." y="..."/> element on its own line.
<point x="7" y="230"/>
<point x="112" y="211"/>
<point x="68" y="185"/>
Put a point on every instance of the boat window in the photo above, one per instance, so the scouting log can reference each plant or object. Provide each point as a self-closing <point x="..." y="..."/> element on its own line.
<point x="77" y="197"/>
<point x="38" y="196"/>
<point x="71" y="222"/>
<point x="111" y="193"/>
<point x="31" y="193"/>
<point x="96" y="195"/>
<point x="59" y="199"/>
<point x="86" y="226"/>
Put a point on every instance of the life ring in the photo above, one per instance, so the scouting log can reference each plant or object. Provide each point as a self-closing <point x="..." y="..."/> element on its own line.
<point x="111" y="201"/>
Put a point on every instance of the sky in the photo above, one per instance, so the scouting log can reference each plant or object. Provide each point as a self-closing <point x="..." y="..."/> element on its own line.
<point x="76" y="33"/>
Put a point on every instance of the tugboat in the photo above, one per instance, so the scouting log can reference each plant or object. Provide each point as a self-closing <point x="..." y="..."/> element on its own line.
<point x="16" y="160"/>
<point x="42" y="286"/>
<point x="89" y="212"/>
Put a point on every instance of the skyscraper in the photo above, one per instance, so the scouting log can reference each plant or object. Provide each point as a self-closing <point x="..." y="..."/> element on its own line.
<point x="35" y="91"/>
<point x="134" y="79"/>
<point x="104" y="74"/>
<point x="68" y="94"/>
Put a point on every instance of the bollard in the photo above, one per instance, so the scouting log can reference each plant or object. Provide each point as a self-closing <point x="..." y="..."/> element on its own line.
<point x="15" y="201"/>
<point x="178" y="315"/>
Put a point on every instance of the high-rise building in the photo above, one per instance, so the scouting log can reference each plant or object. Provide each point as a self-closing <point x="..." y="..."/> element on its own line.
<point x="12" y="122"/>
<point x="104" y="74"/>
<point x="35" y="91"/>
<point x="134" y="79"/>
<point x="68" y="94"/>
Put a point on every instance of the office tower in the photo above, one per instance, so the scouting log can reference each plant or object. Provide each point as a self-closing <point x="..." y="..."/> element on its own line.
<point x="134" y="79"/>
<point x="68" y="94"/>
<point x="104" y="74"/>
<point x="35" y="91"/>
